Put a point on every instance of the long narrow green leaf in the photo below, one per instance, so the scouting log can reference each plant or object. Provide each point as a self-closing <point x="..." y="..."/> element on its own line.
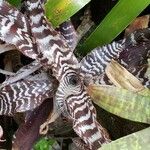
<point x="14" y="2"/>
<point x="58" y="11"/>
<point x="114" y="23"/>
<point x="123" y="103"/>
<point x="136" y="141"/>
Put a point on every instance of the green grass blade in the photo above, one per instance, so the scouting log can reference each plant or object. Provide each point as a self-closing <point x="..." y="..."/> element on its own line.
<point x="123" y="103"/>
<point x="137" y="141"/>
<point x="58" y="11"/>
<point x="115" y="22"/>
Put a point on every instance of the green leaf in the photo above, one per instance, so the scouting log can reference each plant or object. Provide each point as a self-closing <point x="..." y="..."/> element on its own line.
<point x="44" y="144"/>
<point x="58" y="11"/>
<point x="114" y="23"/>
<point x="137" y="141"/>
<point x="14" y="2"/>
<point x="123" y="103"/>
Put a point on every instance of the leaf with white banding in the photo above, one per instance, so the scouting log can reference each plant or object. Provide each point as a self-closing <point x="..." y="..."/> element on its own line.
<point x="65" y="69"/>
<point x="85" y="126"/>
<point x="79" y="108"/>
<point x="132" y="54"/>
<point x="22" y="73"/>
<point x="14" y="29"/>
<point x="24" y="95"/>
<point x="68" y="31"/>
<point x="94" y="63"/>
<point x="54" y="47"/>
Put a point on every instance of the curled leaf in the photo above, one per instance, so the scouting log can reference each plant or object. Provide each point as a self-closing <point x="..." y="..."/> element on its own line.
<point x="122" y="78"/>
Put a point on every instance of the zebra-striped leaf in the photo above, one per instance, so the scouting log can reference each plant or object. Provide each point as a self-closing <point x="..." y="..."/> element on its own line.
<point x="68" y="31"/>
<point x="114" y="23"/>
<point x="58" y="11"/>
<point x="123" y="103"/>
<point x="24" y="95"/>
<point x="136" y="141"/>
<point x="18" y="30"/>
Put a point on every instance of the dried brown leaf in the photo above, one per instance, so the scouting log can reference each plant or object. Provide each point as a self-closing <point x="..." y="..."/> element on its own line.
<point x="138" y="23"/>
<point x="122" y="78"/>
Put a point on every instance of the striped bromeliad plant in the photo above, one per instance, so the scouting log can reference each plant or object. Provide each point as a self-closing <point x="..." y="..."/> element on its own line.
<point x="61" y="78"/>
